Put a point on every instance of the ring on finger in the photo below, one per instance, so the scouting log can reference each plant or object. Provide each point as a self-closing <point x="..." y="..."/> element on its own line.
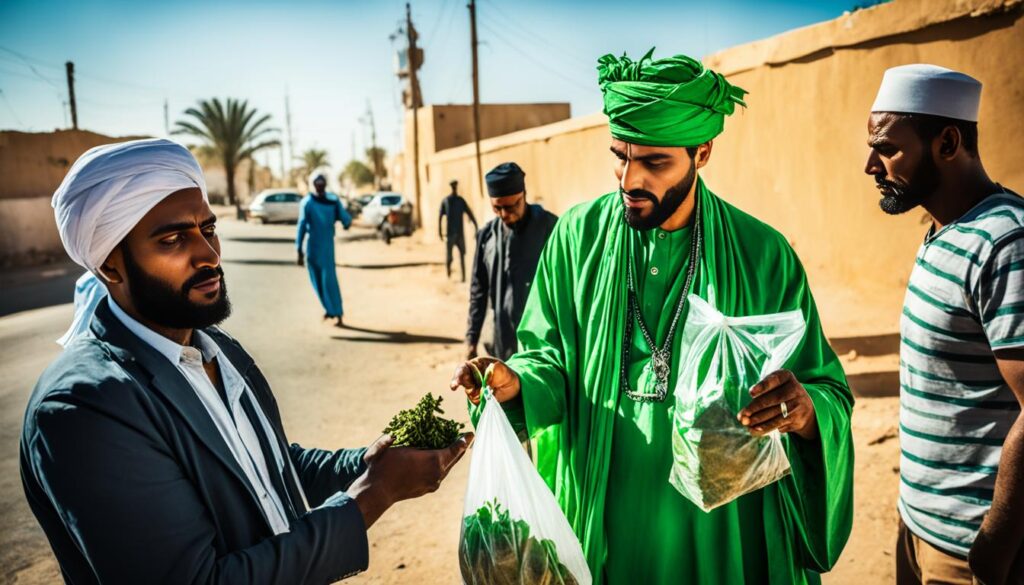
<point x="784" y="408"/>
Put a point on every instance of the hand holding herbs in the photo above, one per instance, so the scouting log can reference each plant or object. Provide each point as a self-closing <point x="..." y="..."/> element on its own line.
<point x="394" y="474"/>
<point x="497" y="550"/>
<point x="422" y="428"/>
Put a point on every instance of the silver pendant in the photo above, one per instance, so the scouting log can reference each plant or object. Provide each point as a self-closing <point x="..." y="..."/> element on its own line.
<point x="653" y="380"/>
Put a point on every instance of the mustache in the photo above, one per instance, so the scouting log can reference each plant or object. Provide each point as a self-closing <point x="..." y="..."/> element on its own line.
<point x="639" y="194"/>
<point x="202" y="276"/>
<point x="884" y="183"/>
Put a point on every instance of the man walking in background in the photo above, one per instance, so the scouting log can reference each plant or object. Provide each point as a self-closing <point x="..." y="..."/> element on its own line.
<point x="507" y="251"/>
<point x="454" y="207"/>
<point x="318" y="213"/>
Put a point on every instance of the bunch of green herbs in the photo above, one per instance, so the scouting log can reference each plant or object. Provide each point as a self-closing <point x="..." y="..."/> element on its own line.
<point x="422" y="428"/>
<point x="497" y="550"/>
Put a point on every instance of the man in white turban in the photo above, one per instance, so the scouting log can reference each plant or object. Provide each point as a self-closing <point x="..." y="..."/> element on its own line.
<point x="153" y="449"/>
<point x="961" y="494"/>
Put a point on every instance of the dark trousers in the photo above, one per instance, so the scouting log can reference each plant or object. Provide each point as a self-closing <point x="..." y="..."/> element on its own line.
<point x="461" y="245"/>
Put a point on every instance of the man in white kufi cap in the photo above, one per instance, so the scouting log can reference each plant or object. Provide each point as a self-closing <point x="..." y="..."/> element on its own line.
<point x="153" y="449"/>
<point x="961" y="495"/>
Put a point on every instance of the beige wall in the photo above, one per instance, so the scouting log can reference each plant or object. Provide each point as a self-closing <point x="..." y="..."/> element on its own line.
<point x="32" y="165"/>
<point x="448" y="126"/>
<point x="795" y="156"/>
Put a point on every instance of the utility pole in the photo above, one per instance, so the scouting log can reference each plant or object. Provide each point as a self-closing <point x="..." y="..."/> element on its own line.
<point x="284" y="179"/>
<point x="476" y="95"/>
<point x="288" y="126"/>
<point x="71" y="94"/>
<point x="373" y="146"/>
<point x="167" y="120"/>
<point x="414" y="90"/>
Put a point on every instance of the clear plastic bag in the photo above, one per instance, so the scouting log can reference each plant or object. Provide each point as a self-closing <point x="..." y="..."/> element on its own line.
<point x="513" y="532"/>
<point x="715" y="458"/>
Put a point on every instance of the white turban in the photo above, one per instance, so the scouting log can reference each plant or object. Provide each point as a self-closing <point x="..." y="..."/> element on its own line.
<point x="106" y="192"/>
<point x="111" y="187"/>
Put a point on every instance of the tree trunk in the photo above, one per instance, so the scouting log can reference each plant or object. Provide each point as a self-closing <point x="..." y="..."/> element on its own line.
<point x="229" y="174"/>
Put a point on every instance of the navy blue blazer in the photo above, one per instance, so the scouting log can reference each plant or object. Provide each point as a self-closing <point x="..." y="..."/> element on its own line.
<point x="132" y="482"/>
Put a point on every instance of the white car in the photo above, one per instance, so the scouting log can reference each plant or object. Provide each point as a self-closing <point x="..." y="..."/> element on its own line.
<point x="276" y="205"/>
<point x="383" y="203"/>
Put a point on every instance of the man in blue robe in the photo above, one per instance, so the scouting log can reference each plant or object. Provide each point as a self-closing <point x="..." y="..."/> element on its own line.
<point x="318" y="213"/>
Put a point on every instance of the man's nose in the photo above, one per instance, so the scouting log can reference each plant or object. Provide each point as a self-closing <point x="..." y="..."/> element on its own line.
<point x="204" y="254"/>
<point x="873" y="166"/>
<point x="631" y="177"/>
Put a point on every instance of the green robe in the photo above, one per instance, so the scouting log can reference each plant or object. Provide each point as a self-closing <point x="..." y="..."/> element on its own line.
<point x="607" y="458"/>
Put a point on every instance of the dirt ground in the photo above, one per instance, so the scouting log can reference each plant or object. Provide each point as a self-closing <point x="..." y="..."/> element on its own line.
<point x="339" y="387"/>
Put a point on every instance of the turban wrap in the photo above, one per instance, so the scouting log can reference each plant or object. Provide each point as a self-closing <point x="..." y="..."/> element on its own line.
<point x="106" y="192"/>
<point x="674" y="101"/>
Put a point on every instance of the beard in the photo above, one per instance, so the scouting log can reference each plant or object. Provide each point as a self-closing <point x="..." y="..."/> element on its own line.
<point x="660" y="210"/>
<point x="902" y="196"/>
<point x="159" y="302"/>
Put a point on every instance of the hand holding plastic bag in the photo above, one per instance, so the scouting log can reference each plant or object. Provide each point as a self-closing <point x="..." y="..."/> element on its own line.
<point x="715" y="458"/>
<point x="513" y="532"/>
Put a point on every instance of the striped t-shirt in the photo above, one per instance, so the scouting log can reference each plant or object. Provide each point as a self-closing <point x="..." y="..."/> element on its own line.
<point x="965" y="299"/>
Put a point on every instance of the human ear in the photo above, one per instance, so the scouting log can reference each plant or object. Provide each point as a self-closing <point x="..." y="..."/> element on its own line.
<point x="949" y="142"/>
<point x="703" y="154"/>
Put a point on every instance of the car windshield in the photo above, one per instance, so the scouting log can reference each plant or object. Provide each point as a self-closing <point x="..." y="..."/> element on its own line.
<point x="391" y="200"/>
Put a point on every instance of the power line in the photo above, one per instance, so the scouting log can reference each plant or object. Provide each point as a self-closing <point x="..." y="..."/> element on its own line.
<point x="32" y="68"/>
<point x="537" y="36"/>
<point x="11" y="108"/>
<point x="31" y="62"/>
<point x="437" y="23"/>
<point x="538" y="62"/>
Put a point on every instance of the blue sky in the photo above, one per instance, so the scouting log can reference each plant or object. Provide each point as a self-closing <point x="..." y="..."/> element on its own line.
<point x="334" y="57"/>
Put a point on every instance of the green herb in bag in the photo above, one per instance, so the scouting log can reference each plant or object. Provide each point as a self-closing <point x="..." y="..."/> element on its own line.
<point x="497" y="550"/>
<point x="420" y="427"/>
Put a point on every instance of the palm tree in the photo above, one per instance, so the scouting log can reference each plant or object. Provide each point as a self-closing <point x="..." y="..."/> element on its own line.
<point x="231" y="131"/>
<point x="314" y="159"/>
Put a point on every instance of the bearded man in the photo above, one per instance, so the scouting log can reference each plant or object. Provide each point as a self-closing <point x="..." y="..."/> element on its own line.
<point x="961" y="334"/>
<point x="599" y="345"/>
<point x="153" y="450"/>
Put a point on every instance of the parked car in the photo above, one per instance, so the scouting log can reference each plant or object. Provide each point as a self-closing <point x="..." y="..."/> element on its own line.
<point x="383" y="203"/>
<point x="276" y="205"/>
<point x="356" y="205"/>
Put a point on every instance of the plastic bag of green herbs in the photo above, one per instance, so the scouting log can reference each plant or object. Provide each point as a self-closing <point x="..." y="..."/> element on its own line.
<point x="422" y="428"/>
<point x="715" y="459"/>
<point x="513" y="532"/>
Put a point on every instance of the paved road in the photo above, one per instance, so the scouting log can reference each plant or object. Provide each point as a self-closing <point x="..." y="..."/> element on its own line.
<point x="336" y="387"/>
<point x="339" y="387"/>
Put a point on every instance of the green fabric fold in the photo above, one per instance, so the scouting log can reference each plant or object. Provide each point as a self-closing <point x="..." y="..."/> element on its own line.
<point x="674" y="101"/>
<point x="570" y="343"/>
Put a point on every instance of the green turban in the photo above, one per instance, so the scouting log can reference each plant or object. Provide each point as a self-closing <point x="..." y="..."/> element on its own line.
<point x="669" y="102"/>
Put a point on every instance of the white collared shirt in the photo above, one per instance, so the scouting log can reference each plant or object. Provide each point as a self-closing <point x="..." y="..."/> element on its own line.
<point x="234" y="426"/>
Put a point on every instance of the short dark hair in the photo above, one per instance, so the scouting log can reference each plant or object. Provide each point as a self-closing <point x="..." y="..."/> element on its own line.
<point x="692" y="151"/>
<point x="927" y="127"/>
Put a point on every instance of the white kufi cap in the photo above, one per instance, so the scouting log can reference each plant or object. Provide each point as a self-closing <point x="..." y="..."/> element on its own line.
<point x="931" y="90"/>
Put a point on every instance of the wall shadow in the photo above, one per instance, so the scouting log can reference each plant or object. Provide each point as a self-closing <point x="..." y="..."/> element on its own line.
<point x="263" y="240"/>
<point x="885" y="344"/>
<point x="397" y="337"/>
<point x="875" y="384"/>
<point x="389" y="266"/>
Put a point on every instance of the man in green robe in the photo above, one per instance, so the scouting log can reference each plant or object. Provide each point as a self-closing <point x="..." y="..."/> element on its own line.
<point x="586" y="382"/>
